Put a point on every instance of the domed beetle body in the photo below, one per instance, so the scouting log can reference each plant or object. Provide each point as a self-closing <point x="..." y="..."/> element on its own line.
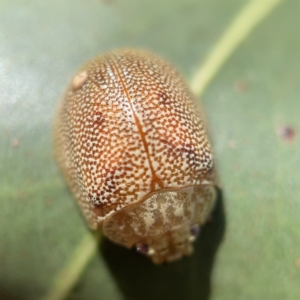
<point x="132" y="146"/>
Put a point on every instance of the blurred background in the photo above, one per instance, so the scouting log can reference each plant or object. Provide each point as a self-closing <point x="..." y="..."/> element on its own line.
<point x="251" y="249"/>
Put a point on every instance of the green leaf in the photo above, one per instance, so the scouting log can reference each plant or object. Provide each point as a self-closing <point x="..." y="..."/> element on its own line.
<point x="252" y="110"/>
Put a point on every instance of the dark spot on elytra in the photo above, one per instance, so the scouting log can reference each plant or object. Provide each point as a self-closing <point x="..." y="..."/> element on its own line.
<point x="163" y="98"/>
<point x="286" y="133"/>
<point x="188" y="149"/>
<point x="98" y="118"/>
<point x="95" y="200"/>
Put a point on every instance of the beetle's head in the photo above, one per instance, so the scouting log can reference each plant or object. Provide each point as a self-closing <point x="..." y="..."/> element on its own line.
<point x="164" y="225"/>
<point x="171" y="245"/>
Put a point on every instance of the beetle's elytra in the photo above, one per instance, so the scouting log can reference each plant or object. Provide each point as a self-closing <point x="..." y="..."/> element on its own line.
<point x="133" y="149"/>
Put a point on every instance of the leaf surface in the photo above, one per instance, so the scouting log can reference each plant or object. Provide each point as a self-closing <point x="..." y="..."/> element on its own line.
<point x="252" y="108"/>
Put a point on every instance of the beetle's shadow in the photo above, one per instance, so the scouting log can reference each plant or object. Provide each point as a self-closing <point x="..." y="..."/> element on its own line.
<point x="189" y="278"/>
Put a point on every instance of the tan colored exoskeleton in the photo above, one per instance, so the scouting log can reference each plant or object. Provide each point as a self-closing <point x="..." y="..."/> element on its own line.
<point x="133" y="149"/>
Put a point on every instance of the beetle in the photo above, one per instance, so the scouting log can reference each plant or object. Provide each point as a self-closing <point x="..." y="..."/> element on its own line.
<point x="132" y="146"/>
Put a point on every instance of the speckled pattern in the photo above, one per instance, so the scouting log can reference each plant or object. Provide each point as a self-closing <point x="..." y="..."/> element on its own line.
<point x="163" y="221"/>
<point x="126" y="127"/>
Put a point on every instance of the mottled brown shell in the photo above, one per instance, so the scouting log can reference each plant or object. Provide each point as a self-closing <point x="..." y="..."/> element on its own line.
<point x="128" y="128"/>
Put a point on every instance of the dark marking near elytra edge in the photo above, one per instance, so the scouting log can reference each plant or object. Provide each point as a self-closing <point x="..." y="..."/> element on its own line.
<point x="163" y="98"/>
<point x="98" y="118"/>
